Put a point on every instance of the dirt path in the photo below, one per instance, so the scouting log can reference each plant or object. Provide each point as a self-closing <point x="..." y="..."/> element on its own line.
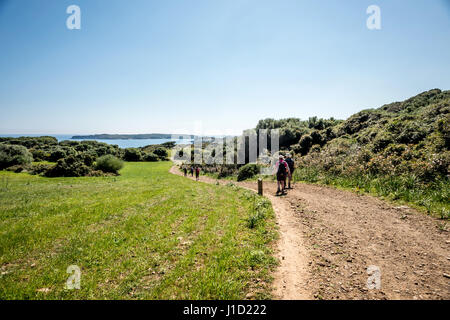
<point x="329" y="238"/>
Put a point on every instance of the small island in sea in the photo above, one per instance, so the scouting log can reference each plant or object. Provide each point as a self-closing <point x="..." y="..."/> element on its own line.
<point x="105" y="136"/>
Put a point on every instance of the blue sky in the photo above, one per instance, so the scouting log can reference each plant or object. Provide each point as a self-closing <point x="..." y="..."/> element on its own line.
<point x="146" y="66"/>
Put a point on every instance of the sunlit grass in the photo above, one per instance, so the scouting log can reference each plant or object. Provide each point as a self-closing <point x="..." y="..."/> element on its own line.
<point x="146" y="234"/>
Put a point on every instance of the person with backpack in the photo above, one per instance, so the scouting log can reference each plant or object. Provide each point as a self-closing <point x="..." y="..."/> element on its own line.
<point x="282" y="170"/>
<point x="291" y="165"/>
<point x="197" y="173"/>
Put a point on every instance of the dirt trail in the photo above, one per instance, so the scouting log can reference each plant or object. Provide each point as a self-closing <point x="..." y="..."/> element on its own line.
<point x="329" y="237"/>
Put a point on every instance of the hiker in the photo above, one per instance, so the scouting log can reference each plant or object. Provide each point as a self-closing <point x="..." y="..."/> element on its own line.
<point x="192" y="171"/>
<point x="291" y="165"/>
<point x="197" y="173"/>
<point x="282" y="170"/>
<point x="185" y="171"/>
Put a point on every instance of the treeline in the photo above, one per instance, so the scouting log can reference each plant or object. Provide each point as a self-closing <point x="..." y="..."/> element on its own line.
<point x="47" y="156"/>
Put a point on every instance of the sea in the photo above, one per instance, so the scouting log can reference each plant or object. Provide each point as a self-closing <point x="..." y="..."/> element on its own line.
<point x="122" y="143"/>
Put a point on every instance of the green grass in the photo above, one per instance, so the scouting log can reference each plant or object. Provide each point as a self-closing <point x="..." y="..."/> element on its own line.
<point x="146" y="234"/>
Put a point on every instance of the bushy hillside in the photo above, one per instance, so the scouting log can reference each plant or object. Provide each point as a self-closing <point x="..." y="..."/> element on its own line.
<point x="400" y="150"/>
<point x="403" y="137"/>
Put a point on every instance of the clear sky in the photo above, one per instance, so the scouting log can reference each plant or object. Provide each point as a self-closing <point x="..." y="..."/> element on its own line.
<point x="146" y="66"/>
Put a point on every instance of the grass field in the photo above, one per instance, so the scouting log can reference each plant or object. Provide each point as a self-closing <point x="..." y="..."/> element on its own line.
<point x="146" y="234"/>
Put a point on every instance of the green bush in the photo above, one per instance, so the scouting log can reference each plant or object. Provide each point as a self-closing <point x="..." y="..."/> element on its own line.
<point x="11" y="155"/>
<point x="132" y="154"/>
<point x="69" y="167"/>
<point x="248" y="171"/>
<point x="381" y="142"/>
<point x="305" y="144"/>
<point x="161" y="152"/>
<point x="109" y="163"/>
<point x="38" y="155"/>
<point x="150" y="157"/>
<point x="88" y="158"/>
<point x="41" y="168"/>
<point x="56" y="154"/>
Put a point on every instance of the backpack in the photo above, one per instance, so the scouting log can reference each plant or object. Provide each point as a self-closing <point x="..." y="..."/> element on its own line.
<point x="290" y="163"/>
<point x="281" y="168"/>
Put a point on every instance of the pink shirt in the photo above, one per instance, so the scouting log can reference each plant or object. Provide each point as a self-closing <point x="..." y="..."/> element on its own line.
<point x="278" y="164"/>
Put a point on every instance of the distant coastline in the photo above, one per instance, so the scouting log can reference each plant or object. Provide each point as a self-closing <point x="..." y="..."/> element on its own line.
<point x="132" y="136"/>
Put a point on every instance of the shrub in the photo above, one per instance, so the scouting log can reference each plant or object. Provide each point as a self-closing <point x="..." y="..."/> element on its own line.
<point x="161" y="152"/>
<point x="41" y="168"/>
<point x="305" y="144"/>
<point x="38" y="154"/>
<point x="11" y="155"/>
<point x="381" y="142"/>
<point x="411" y="134"/>
<point x="132" y="154"/>
<point x="150" y="157"/>
<point x="69" y="167"/>
<point x="109" y="163"/>
<point x="317" y="138"/>
<point x="248" y="171"/>
<point x="57" y="154"/>
<point x="88" y="158"/>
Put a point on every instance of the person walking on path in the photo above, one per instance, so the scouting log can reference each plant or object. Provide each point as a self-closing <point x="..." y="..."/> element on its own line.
<point x="281" y="170"/>
<point x="192" y="171"/>
<point x="185" y="171"/>
<point x="197" y="173"/>
<point x="291" y="165"/>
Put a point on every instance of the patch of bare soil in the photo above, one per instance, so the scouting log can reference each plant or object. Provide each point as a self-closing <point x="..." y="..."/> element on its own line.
<point x="329" y="238"/>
